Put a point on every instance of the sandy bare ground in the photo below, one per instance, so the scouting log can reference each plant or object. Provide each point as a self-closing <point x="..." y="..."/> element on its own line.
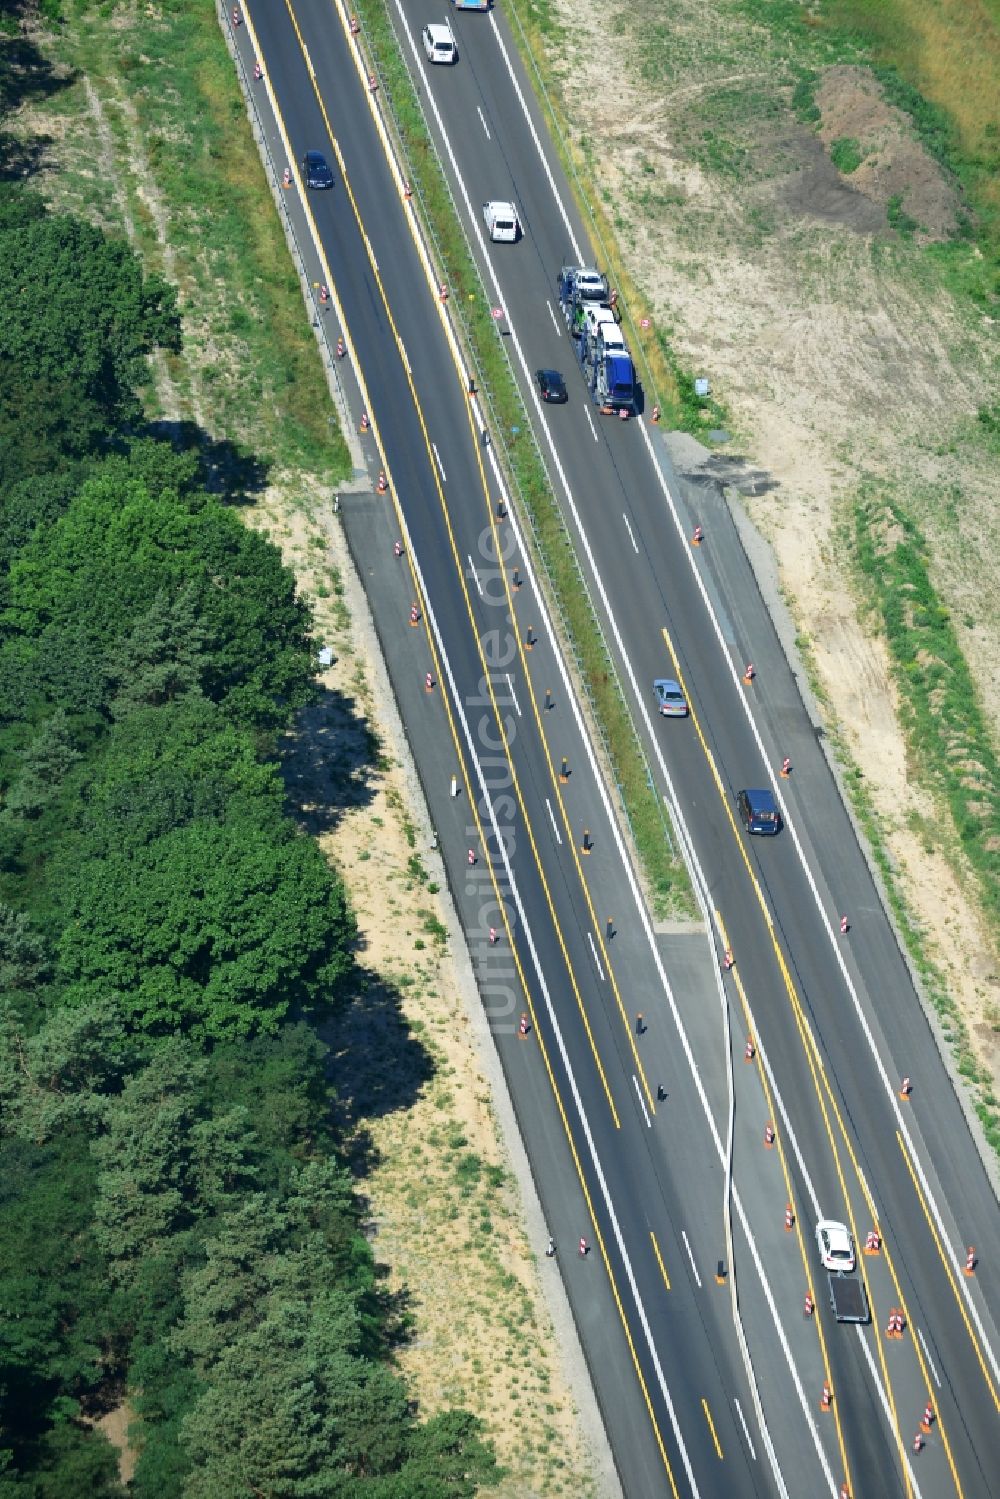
<point x="836" y="348"/>
<point x="446" y="1220"/>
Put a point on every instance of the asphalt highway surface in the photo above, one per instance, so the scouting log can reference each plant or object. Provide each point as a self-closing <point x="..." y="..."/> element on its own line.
<point x="646" y="1138"/>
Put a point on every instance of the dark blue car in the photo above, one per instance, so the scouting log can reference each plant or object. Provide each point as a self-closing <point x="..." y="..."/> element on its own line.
<point x="315" y="171"/>
<point x="759" y="812"/>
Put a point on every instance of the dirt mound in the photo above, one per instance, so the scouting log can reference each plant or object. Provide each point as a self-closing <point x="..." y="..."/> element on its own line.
<point x="893" y="168"/>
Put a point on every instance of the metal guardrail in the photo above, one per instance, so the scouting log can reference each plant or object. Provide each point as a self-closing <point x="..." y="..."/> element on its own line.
<point x="510" y="472"/>
<point x="273" y="170"/>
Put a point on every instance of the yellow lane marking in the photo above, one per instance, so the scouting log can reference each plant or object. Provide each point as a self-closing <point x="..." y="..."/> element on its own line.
<point x="571" y="841"/>
<point x="498" y="552"/>
<point x="811" y="1054"/>
<point x="486" y="671"/>
<point x="948" y="1268"/>
<point x="789" y="1195"/>
<point x="710" y="760"/>
<point x="822" y="1085"/>
<point x="711" y="1427"/>
<point x="659" y="1260"/>
<point x="900" y="1300"/>
<point x="567" y="1128"/>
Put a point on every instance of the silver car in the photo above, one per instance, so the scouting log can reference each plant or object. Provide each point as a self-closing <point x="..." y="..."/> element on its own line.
<point x="669" y="698"/>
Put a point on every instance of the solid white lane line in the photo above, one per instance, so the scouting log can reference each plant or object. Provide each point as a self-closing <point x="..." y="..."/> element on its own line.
<point x="805" y="1402"/>
<point x="593" y="948"/>
<point x="863" y="1343"/>
<point x="689" y="849"/>
<point x="684" y="838"/>
<point x="486" y="797"/>
<point x="534" y="136"/>
<point x="746" y="1430"/>
<point x="694" y="1267"/>
<point x="552" y="819"/>
<point x="930" y="1362"/>
<point x="630" y="535"/>
<point x="833" y="936"/>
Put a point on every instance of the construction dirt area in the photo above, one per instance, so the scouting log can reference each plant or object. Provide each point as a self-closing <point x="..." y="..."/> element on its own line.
<point x="811" y="296"/>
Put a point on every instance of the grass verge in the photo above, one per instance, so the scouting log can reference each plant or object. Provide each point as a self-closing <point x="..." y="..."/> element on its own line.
<point x="665" y="874"/>
<point x="940" y="65"/>
<point x="947" y="733"/>
<point x="665" y="381"/>
<point x="166" y="158"/>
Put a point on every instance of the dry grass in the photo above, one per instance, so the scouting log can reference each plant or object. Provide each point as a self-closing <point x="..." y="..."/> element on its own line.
<point x="950" y="51"/>
<point x="448" y="1225"/>
<point x="132" y="149"/>
<point x="149" y="138"/>
<point x="843" y="350"/>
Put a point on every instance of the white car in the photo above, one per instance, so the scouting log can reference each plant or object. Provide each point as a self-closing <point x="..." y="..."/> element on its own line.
<point x="502" y="222"/>
<point x="836" y="1247"/>
<point x="439" y="43"/>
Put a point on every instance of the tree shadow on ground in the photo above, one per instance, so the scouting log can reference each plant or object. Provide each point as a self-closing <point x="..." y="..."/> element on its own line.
<point x="228" y="470"/>
<point x="329" y="761"/>
<point x="376" y="1064"/>
<point x="20" y="159"/>
<point x="26" y="75"/>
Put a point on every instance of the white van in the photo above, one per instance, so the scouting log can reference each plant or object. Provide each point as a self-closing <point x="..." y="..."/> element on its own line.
<point x="439" y="42"/>
<point x="501" y="222"/>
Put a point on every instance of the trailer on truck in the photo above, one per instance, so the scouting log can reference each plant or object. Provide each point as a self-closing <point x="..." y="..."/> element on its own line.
<point x="578" y="287"/>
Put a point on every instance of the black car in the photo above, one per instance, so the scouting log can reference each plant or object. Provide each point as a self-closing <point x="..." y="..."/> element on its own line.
<point x="552" y="386"/>
<point x="315" y="170"/>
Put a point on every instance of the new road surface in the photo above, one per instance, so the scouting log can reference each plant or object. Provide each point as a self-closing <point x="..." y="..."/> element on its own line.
<point x="685" y="1241"/>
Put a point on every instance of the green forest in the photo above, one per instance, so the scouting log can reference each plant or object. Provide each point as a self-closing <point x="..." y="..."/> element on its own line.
<point x="178" y="1228"/>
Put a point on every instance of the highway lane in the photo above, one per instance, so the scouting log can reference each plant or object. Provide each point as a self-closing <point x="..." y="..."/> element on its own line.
<point x="835" y="857"/>
<point x="356" y="286"/>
